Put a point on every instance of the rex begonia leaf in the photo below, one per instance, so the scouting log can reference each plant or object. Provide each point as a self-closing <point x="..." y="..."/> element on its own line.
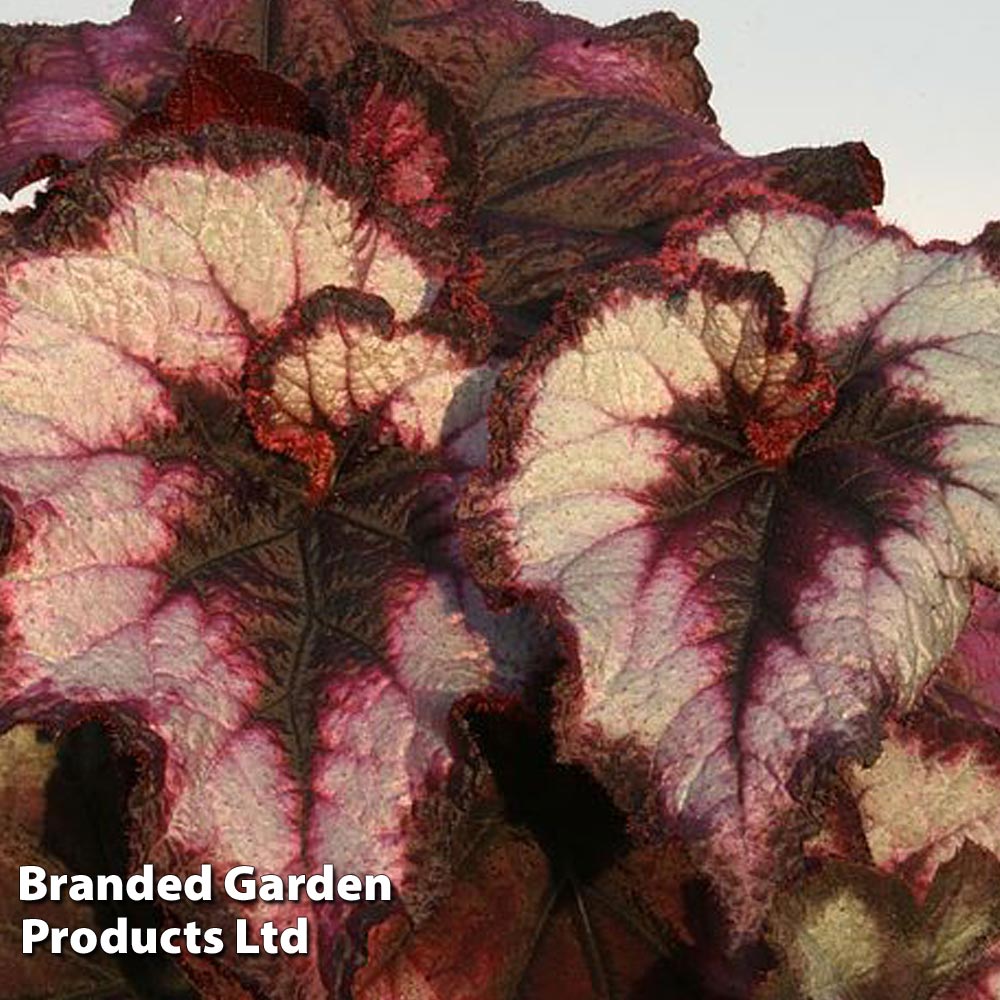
<point x="388" y="115"/>
<point x="933" y="792"/>
<point x="900" y="322"/>
<point x="386" y="108"/>
<point x="851" y="931"/>
<point x="968" y="685"/>
<point x="547" y="935"/>
<point x="500" y="51"/>
<point x="568" y="906"/>
<point x="591" y="140"/>
<point x="271" y="610"/>
<point x="980" y="983"/>
<point x="67" y="90"/>
<point x="225" y="87"/>
<point x="61" y="809"/>
<point x="754" y="498"/>
<point x="935" y="784"/>
<point x="26" y="761"/>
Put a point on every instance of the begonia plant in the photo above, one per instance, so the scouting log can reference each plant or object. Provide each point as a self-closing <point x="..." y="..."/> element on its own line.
<point x="429" y="449"/>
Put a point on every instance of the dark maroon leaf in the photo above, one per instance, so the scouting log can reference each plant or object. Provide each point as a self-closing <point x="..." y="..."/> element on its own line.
<point x="223" y="87"/>
<point x="26" y="764"/>
<point x="305" y="41"/>
<point x="43" y="974"/>
<point x="548" y="879"/>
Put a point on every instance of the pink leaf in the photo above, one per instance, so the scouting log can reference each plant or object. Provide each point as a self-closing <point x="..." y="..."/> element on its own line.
<point x="66" y="90"/>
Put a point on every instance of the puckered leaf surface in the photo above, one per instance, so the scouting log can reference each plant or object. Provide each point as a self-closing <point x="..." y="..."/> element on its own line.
<point x="260" y="584"/>
<point x="590" y="139"/>
<point x="919" y="325"/>
<point x="388" y="109"/>
<point x="853" y="932"/>
<point x="755" y="498"/>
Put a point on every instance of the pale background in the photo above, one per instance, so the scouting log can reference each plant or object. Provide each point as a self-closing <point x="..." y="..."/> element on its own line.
<point x="919" y="81"/>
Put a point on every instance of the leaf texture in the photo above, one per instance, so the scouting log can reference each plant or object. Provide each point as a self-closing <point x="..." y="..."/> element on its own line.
<point x="284" y="634"/>
<point x="590" y="140"/>
<point x="755" y="498"/>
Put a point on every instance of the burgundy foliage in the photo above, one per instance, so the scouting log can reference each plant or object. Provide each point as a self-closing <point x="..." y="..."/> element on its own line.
<point x="219" y="86"/>
<point x="428" y="448"/>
